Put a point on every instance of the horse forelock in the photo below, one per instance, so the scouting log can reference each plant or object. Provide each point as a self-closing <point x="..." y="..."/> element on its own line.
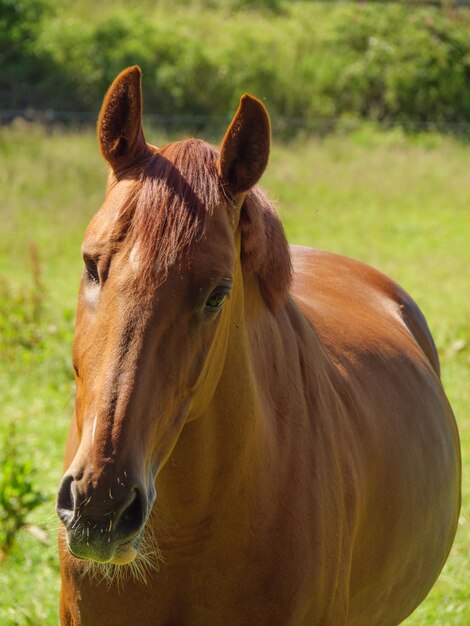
<point x="173" y="196"/>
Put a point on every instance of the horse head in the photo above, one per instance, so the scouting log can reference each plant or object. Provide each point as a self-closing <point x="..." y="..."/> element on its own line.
<point x="165" y="259"/>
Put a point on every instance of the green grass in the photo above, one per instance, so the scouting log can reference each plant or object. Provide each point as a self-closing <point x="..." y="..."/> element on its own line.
<point x="400" y="203"/>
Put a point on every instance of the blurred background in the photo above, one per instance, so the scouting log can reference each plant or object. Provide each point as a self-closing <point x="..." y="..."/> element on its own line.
<point x="370" y="107"/>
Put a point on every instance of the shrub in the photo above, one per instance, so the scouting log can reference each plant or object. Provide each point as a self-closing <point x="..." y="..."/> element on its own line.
<point x="403" y="64"/>
<point x="18" y="493"/>
<point x="21" y="23"/>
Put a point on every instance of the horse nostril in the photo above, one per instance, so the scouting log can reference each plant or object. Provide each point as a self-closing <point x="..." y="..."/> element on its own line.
<point x="132" y="516"/>
<point x="65" y="499"/>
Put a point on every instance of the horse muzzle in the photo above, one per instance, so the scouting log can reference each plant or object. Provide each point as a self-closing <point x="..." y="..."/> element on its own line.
<point x="102" y="524"/>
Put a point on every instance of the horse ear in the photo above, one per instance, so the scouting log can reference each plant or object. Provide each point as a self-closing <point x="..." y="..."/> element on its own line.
<point x="245" y="148"/>
<point x="120" y="133"/>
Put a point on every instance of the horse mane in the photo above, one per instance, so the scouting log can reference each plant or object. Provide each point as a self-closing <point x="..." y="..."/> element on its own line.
<point x="183" y="177"/>
<point x="265" y="250"/>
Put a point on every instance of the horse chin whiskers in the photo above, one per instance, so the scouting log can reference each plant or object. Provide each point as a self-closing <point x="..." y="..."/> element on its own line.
<point x="147" y="560"/>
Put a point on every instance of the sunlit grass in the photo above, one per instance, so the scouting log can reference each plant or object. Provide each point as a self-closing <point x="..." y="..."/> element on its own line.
<point x="400" y="203"/>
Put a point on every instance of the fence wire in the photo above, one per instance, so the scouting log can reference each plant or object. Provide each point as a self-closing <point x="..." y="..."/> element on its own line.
<point x="283" y="125"/>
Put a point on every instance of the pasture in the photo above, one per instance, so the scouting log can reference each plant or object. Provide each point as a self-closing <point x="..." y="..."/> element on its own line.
<point x="399" y="203"/>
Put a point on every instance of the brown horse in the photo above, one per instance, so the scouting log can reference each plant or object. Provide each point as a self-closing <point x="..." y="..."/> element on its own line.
<point x="251" y="445"/>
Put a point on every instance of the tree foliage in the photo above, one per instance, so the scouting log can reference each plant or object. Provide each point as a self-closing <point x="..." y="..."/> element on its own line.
<point x="306" y="60"/>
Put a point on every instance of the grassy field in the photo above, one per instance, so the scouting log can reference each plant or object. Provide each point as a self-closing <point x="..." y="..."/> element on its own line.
<point x="399" y="203"/>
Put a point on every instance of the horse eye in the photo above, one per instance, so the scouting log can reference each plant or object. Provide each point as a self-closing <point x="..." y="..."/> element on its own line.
<point x="215" y="301"/>
<point x="91" y="269"/>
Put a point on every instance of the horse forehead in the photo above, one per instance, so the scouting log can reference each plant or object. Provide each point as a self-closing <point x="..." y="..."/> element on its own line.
<point x="117" y="197"/>
<point x="216" y="251"/>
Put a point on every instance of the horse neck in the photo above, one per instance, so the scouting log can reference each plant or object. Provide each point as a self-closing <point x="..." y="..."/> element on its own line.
<point x="230" y="449"/>
<point x="220" y="448"/>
